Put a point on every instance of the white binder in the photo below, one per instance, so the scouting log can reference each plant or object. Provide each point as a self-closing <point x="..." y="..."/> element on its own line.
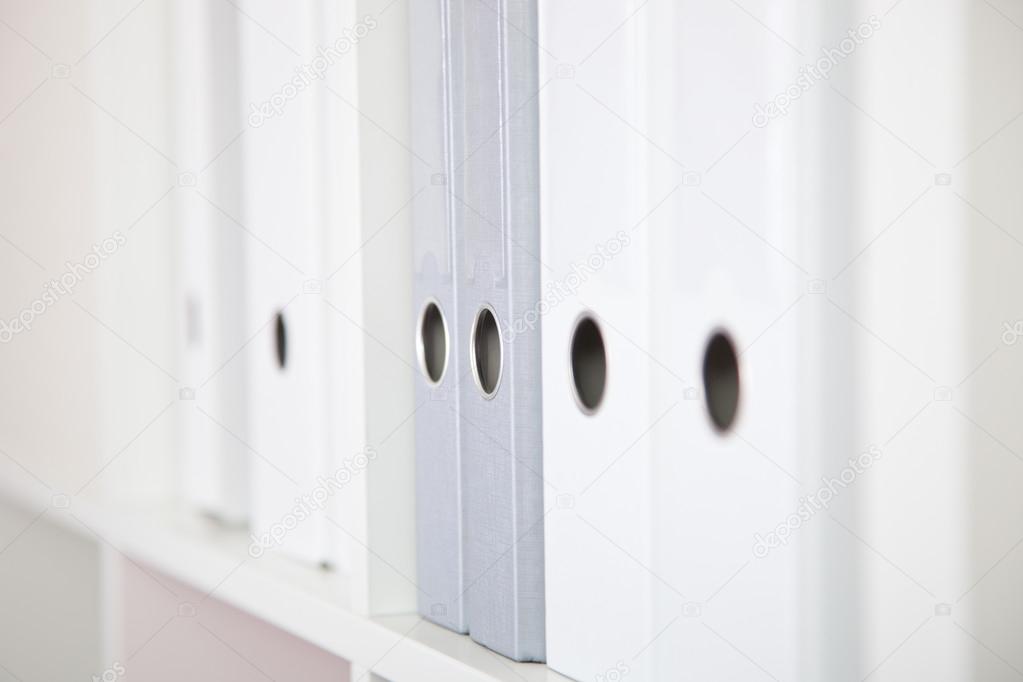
<point x="215" y="465"/>
<point x="284" y="219"/>
<point x="367" y="296"/>
<point x="726" y="270"/>
<point x="328" y="209"/>
<point x="598" y="437"/>
<point x="849" y="279"/>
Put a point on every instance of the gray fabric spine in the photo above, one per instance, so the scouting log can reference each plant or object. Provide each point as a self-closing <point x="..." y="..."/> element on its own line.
<point x="498" y="265"/>
<point x="440" y="528"/>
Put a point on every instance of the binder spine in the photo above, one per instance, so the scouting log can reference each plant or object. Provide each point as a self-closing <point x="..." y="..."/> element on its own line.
<point x="440" y="528"/>
<point x="501" y="417"/>
<point x="214" y="465"/>
<point x="288" y="393"/>
<point x="601" y="414"/>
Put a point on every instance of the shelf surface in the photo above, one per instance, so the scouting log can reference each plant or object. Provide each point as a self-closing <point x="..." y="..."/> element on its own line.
<point x="306" y="601"/>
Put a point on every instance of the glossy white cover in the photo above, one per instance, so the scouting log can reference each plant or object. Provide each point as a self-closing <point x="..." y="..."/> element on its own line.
<point x="855" y="242"/>
<point x="210" y="253"/>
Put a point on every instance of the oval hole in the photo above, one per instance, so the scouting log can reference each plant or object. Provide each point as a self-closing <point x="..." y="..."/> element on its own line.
<point x="589" y="364"/>
<point x="281" y="341"/>
<point x="486" y="352"/>
<point x="721" y="381"/>
<point x="433" y="343"/>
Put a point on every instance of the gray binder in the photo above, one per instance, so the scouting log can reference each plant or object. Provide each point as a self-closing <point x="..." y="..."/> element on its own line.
<point x="440" y="527"/>
<point x="498" y="269"/>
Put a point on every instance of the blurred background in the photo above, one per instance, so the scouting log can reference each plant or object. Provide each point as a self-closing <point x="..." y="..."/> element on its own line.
<point x="122" y="123"/>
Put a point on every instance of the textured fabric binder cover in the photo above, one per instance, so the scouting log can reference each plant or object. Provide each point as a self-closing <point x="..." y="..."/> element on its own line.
<point x="439" y="502"/>
<point x="496" y="194"/>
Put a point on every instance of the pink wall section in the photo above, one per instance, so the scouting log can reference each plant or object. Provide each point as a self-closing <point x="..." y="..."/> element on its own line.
<point x="171" y="633"/>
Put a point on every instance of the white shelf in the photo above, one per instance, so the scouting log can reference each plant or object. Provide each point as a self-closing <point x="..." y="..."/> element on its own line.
<point x="308" y="602"/>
